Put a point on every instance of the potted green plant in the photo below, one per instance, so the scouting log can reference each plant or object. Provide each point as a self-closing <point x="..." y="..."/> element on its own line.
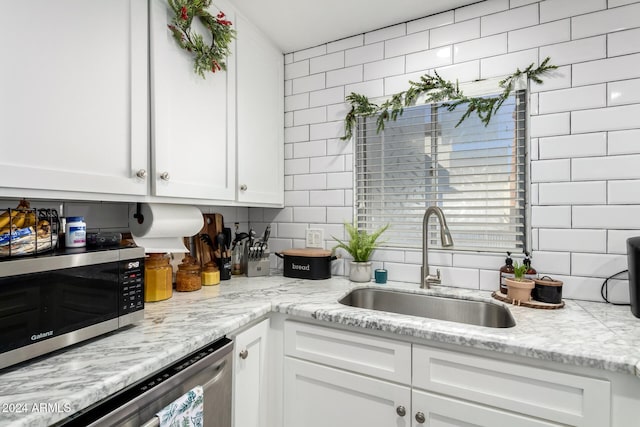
<point x="360" y="246"/>
<point x="519" y="288"/>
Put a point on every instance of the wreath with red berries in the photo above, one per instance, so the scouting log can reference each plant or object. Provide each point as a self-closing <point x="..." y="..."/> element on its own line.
<point x="207" y="57"/>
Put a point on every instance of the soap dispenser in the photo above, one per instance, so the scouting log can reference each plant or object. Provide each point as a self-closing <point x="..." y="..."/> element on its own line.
<point x="506" y="272"/>
<point x="531" y="272"/>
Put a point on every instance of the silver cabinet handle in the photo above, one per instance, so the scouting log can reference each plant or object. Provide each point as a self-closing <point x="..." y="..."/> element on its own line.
<point x="141" y="173"/>
<point x="400" y="410"/>
<point x="243" y="187"/>
<point x="420" y="418"/>
<point x="165" y="176"/>
<point x="244" y="353"/>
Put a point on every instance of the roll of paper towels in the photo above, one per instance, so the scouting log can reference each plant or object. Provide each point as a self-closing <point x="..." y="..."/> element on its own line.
<point x="161" y="227"/>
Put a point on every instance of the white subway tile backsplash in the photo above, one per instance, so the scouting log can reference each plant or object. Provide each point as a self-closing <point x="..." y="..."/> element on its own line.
<point x="308" y="116"/>
<point x="288" y="183"/>
<point x="328" y="62"/>
<point x="326" y="164"/>
<point x="579" y="98"/>
<point x="606" y="21"/>
<point x="534" y="148"/>
<point x="296" y="102"/>
<point x="623" y="92"/>
<point x="367" y="53"/>
<point x="520" y="17"/>
<point x="288" y="58"/>
<point x="479" y="9"/>
<point x="589" y="241"/>
<point x="617" y="240"/>
<point x="337" y="111"/>
<point x="296" y="198"/>
<point x="575" y="51"/>
<point x="431" y="21"/>
<point x="581" y="288"/>
<point x="296" y="166"/>
<point x="384" y="68"/>
<point x="550" y="125"/>
<point x="309" y="83"/>
<point x="309" y="149"/>
<point x="338" y="146"/>
<point x="551" y="216"/>
<point x="339" y="214"/>
<point x="518" y="3"/>
<point x="326" y="96"/>
<point x="326" y="198"/>
<point x="402" y="45"/>
<point x="551" y="262"/>
<point x="478" y="261"/>
<point x="624" y="192"/>
<point x="540" y="35"/>
<point x="480" y="48"/>
<point x="326" y="130"/>
<point x="316" y="181"/>
<point x="551" y="170"/>
<point x="612" y="216"/>
<point x="340" y="180"/>
<point x="607" y="70"/>
<point x="489" y="280"/>
<point x="502" y="65"/>
<point x="551" y="10"/>
<point x="344" y="76"/>
<point x="429" y="59"/>
<point x="455" y="33"/>
<point x="623" y="42"/>
<point x="601" y="119"/>
<point x="624" y="142"/>
<point x="288" y="119"/>
<point x="464" y="72"/>
<point x="290" y="230"/>
<point x="385" y="33"/>
<point x="600" y="168"/>
<point x="288" y="87"/>
<point x="296" y="69"/>
<point x="372" y="88"/>
<point x="296" y="134"/>
<point x="388" y="255"/>
<point x="459" y="277"/>
<point x="616" y="3"/>
<point x="309" y="53"/>
<point x="533" y="194"/>
<point x="569" y="146"/>
<point x="572" y="193"/>
<point x="309" y="214"/>
<point x="346" y="43"/>
<point x="397" y="84"/>
<point x="553" y="80"/>
<point x="402" y="272"/>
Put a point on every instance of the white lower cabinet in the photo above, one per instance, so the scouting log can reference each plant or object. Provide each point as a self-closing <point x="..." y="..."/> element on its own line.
<point x="250" y="386"/>
<point x="341" y="378"/>
<point x="321" y="396"/>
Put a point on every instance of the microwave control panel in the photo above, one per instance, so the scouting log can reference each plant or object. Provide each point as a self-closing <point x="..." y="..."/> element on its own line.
<point x="131" y="286"/>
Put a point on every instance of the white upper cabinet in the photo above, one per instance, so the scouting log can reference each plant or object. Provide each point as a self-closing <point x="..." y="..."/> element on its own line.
<point x="260" y="120"/>
<point x="74" y="96"/>
<point x="192" y="119"/>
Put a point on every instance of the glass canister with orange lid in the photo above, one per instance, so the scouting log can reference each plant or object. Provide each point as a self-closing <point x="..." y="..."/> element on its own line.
<point x="188" y="276"/>
<point x="158" y="276"/>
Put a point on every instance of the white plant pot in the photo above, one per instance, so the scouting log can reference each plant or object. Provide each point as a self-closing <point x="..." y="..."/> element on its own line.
<point x="360" y="271"/>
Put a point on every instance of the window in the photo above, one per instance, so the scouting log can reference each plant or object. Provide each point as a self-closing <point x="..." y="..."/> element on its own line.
<point x="476" y="174"/>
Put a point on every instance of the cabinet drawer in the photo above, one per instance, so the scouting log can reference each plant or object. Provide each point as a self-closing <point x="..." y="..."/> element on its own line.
<point x="563" y="398"/>
<point x="374" y="356"/>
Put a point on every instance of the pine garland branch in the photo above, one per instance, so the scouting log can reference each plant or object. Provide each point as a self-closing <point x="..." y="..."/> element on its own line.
<point x="437" y="89"/>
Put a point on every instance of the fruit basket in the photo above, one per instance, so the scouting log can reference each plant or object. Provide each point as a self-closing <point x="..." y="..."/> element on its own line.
<point x="27" y="231"/>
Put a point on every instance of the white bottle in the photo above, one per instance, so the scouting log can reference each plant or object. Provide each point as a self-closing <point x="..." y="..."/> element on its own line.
<point x="75" y="232"/>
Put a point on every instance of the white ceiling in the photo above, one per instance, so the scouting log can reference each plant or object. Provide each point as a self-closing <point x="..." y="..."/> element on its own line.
<point x="298" y="24"/>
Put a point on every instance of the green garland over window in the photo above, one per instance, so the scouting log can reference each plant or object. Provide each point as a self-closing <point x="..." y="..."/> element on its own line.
<point x="206" y="57"/>
<point x="436" y="89"/>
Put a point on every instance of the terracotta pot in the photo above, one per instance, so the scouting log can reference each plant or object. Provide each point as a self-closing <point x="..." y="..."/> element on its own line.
<point x="519" y="290"/>
<point x="360" y="271"/>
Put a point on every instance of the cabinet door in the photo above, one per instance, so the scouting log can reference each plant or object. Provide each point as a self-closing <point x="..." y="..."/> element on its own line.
<point x="320" y="396"/>
<point x="250" y="387"/>
<point x="260" y="98"/>
<point x="74" y="96"/>
<point x="432" y="410"/>
<point x="192" y="119"/>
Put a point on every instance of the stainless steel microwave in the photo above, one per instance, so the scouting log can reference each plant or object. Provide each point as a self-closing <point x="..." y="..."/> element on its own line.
<point x="52" y="301"/>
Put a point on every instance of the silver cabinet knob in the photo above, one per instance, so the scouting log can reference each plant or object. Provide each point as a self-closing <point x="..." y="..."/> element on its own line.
<point x="243" y="187"/>
<point x="165" y="176"/>
<point x="401" y="410"/>
<point x="141" y="173"/>
<point x="244" y="353"/>
<point x="420" y="418"/>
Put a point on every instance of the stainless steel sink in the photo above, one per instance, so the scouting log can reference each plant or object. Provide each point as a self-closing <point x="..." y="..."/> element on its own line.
<point x="479" y="313"/>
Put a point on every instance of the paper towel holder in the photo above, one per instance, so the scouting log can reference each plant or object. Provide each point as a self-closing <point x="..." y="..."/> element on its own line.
<point x="138" y="215"/>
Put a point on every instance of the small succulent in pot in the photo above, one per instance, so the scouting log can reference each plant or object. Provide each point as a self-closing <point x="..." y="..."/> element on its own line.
<point x="519" y="288"/>
<point x="360" y="246"/>
<point x="519" y="270"/>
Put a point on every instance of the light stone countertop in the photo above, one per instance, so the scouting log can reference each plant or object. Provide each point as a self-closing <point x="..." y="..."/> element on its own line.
<point x="584" y="334"/>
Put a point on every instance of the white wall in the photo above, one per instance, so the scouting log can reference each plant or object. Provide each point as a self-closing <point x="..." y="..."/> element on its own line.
<point x="585" y="130"/>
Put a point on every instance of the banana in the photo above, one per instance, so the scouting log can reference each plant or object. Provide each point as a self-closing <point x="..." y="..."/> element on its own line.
<point x="19" y="220"/>
<point x="30" y="219"/>
<point x="6" y="217"/>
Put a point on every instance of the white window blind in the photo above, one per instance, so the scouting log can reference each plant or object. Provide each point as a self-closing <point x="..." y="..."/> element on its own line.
<point x="475" y="173"/>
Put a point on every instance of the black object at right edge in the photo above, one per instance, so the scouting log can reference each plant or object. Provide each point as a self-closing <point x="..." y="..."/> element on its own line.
<point x="633" y="258"/>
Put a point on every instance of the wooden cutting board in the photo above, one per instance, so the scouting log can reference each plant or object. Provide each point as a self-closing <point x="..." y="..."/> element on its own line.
<point x="213" y="224"/>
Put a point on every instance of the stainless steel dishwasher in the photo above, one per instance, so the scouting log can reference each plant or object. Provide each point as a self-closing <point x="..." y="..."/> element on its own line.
<point x="209" y="367"/>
